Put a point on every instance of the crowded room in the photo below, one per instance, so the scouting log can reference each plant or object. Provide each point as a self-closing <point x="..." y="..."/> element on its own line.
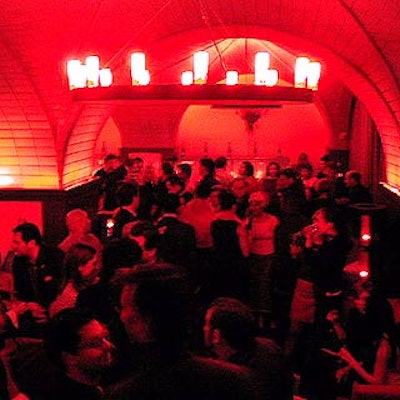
<point x="200" y="200"/>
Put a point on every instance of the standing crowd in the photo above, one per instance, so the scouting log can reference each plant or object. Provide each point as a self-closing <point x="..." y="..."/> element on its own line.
<point x="231" y="287"/>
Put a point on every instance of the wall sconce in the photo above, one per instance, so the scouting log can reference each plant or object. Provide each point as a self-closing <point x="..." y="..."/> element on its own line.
<point x="187" y="78"/>
<point x="139" y="74"/>
<point x="231" y="78"/>
<point x="92" y="71"/>
<point x="200" y="67"/>
<point x="106" y="77"/>
<point x="76" y="73"/>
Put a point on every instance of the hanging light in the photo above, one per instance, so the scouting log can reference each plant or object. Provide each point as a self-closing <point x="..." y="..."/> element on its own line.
<point x="313" y="75"/>
<point x="187" y="78"/>
<point x="138" y="66"/>
<point x="200" y="67"/>
<point x="261" y="65"/>
<point x="232" y="78"/>
<point x="301" y="72"/>
<point x="144" y="78"/>
<point x="76" y="73"/>
<point x="92" y="71"/>
<point x="106" y="77"/>
<point x="271" y="77"/>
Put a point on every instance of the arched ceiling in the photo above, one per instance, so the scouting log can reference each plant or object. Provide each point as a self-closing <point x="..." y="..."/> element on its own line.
<point x="358" y="42"/>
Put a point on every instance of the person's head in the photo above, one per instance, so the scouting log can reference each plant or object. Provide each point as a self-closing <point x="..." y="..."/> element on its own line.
<point x="148" y="238"/>
<point x="167" y="168"/>
<point x="170" y="203"/>
<point x="258" y="201"/>
<point x="77" y="221"/>
<point x="207" y="166"/>
<point x="214" y="198"/>
<point x="240" y="188"/>
<point x="303" y="159"/>
<point x="306" y="171"/>
<point x="229" y="327"/>
<point x="246" y="168"/>
<point x="149" y="173"/>
<point x="111" y="162"/>
<point x="119" y="253"/>
<point x="323" y="186"/>
<point x="352" y="178"/>
<point x="220" y="162"/>
<point x="152" y="306"/>
<point x="127" y="193"/>
<point x="26" y="239"/>
<point x="273" y="169"/>
<point x="137" y="164"/>
<point x="287" y="178"/>
<point x="174" y="184"/>
<point x="184" y="171"/>
<point x="226" y="200"/>
<point x="79" y="344"/>
<point x="81" y="264"/>
<point x="330" y="221"/>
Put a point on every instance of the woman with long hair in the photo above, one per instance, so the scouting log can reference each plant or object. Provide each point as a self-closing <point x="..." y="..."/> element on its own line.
<point x="81" y="269"/>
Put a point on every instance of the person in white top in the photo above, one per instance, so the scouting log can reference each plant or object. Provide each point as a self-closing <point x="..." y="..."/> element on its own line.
<point x="257" y="241"/>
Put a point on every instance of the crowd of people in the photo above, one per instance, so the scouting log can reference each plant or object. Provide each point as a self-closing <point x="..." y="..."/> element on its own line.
<point x="229" y="287"/>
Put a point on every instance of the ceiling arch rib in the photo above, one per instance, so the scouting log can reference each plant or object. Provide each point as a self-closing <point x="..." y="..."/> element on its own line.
<point x="27" y="151"/>
<point x="79" y="153"/>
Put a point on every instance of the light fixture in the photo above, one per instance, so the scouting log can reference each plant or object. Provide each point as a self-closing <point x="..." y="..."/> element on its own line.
<point x="92" y="71"/>
<point x="232" y="78"/>
<point x="261" y="66"/>
<point x="76" y="73"/>
<point x="313" y="75"/>
<point x="144" y="77"/>
<point x="271" y="77"/>
<point x="301" y="71"/>
<point x="106" y="77"/>
<point x="138" y="68"/>
<point x="365" y="230"/>
<point x="187" y="78"/>
<point x="200" y="67"/>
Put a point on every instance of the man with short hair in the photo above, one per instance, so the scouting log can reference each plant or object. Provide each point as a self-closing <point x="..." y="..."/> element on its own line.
<point x="36" y="267"/>
<point x="153" y="309"/>
<point x="71" y="364"/>
<point x="230" y="333"/>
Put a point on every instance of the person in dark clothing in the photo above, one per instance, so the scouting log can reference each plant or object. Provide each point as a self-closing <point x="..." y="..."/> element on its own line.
<point x="128" y="202"/>
<point x="177" y="243"/>
<point x="36" y="267"/>
<point x="109" y="177"/>
<point x="154" y="302"/>
<point x="230" y="332"/>
<point x="71" y="363"/>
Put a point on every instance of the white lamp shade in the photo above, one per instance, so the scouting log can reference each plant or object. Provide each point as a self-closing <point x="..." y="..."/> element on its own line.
<point x="200" y="66"/>
<point x="313" y="75"/>
<point x="138" y="66"/>
<point x="144" y="78"/>
<point x="301" y="71"/>
<point x="271" y="77"/>
<point x="187" y="78"/>
<point x="232" y="78"/>
<point x="92" y="71"/>
<point x="106" y="77"/>
<point x="261" y="65"/>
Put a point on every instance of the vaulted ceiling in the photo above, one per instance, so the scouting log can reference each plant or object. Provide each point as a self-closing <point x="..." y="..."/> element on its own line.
<point x="46" y="140"/>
